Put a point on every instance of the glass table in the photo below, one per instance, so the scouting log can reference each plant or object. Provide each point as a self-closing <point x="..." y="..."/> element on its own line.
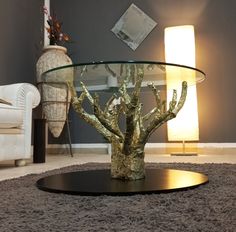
<point x="124" y="123"/>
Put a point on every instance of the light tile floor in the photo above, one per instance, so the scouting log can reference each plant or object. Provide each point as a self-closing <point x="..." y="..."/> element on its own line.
<point x="8" y="170"/>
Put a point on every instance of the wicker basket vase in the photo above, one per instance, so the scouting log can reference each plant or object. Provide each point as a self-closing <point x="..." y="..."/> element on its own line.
<point x="55" y="97"/>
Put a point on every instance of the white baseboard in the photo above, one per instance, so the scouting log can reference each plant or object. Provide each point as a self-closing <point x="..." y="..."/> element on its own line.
<point x="93" y="148"/>
<point x="150" y="148"/>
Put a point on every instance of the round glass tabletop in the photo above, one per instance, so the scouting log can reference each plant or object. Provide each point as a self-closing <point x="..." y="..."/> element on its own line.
<point x="110" y="75"/>
<point x="125" y="121"/>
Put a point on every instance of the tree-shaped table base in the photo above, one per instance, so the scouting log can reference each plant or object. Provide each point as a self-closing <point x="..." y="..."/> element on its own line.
<point x="127" y="160"/>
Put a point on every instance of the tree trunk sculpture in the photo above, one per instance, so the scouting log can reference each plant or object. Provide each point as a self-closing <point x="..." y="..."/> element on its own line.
<point x="127" y="160"/>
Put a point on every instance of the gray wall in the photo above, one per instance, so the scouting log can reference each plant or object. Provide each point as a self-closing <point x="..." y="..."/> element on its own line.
<point x="89" y="23"/>
<point x="21" y="27"/>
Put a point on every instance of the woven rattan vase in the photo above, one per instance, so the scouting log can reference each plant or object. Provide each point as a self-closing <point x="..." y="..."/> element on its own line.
<point x="55" y="97"/>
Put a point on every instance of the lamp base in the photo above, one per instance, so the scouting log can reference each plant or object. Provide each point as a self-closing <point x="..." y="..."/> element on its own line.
<point x="184" y="154"/>
<point x="183" y="151"/>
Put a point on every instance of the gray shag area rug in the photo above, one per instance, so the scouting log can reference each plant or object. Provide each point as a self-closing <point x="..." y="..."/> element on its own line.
<point x="210" y="207"/>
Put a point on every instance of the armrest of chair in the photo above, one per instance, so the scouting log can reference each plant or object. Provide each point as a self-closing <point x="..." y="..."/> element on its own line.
<point x="17" y="94"/>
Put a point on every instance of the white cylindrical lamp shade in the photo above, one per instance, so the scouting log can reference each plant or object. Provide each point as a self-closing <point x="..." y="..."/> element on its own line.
<point x="180" y="49"/>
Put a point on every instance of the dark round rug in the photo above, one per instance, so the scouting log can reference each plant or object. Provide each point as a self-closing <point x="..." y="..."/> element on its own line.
<point x="210" y="207"/>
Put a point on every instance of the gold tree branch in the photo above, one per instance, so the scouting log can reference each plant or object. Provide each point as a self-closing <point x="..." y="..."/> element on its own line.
<point x="133" y="113"/>
<point x="91" y="119"/>
<point x="88" y="95"/>
<point x="182" y="98"/>
<point x="173" y="102"/>
<point x="123" y="89"/>
<point x="158" y="120"/>
<point x="138" y="83"/>
<point x="106" y="122"/>
<point x="150" y="114"/>
<point x="109" y="121"/>
<point x="157" y="109"/>
<point x="109" y="107"/>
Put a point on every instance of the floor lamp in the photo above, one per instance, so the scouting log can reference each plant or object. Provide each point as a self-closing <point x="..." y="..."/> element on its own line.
<point x="180" y="49"/>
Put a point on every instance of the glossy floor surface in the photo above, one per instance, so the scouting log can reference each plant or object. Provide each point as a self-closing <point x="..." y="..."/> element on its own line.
<point x="8" y="170"/>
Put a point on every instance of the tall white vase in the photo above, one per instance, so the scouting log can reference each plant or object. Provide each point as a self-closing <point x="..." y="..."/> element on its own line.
<point x="55" y="97"/>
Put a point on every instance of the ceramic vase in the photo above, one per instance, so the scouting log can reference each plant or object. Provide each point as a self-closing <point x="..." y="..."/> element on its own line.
<point x="55" y="96"/>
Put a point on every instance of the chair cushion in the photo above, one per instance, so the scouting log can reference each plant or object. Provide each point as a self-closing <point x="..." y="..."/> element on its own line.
<point x="10" y="116"/>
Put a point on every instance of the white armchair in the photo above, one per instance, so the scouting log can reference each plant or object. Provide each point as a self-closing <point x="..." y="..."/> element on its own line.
<point x="16" y="121"/>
